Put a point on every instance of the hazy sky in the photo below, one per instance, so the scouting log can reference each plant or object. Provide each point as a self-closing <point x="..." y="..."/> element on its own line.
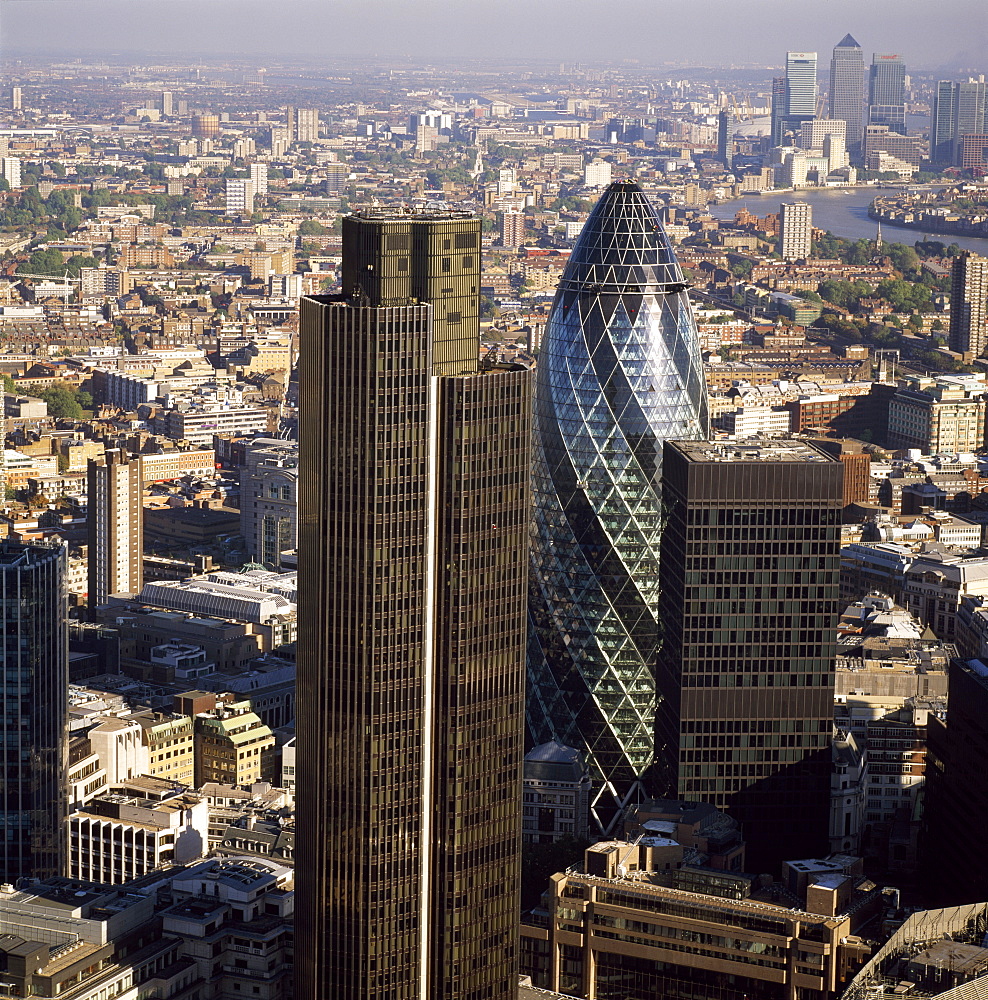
<point x="928" y="33"/>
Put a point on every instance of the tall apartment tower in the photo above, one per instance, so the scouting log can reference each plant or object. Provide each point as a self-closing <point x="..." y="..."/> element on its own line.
<point x="619" y="372"/>
<point x="749" y="588"/>
<point x="306" y="124"/>
<point x="726" y="125"/>
<point x="33" y="710"/>
<point x="259" y="178"/>
<point x="414" y="486"/>
<point x="116" y="526"/>
<point x="239" y="196"/>
<point x="847" y="73"/>
<point x="16" y="98"/>
<point x="887" y="92"/>
<point x="969" y="305"/>
<point x="10" y="171"/>
<point x="512" y="227"/>
<point x="795" y="230"/>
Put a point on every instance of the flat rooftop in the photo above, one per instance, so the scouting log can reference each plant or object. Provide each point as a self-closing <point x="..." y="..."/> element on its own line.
<point x="752" y="451"/>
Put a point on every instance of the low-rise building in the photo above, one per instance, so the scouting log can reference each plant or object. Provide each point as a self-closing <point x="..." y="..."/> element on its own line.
<point x="945" y="415"/>
<point x="233" y="746"/>
<point x="619" y="919"/>
<point x="137" y="827"/>
<point x="556" y="793"/>
<point x="170" y="743"/>
<point x="220" y="928"/>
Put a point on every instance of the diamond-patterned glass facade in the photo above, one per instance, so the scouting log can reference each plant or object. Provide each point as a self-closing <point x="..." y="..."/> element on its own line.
<point x="619" y="372"/>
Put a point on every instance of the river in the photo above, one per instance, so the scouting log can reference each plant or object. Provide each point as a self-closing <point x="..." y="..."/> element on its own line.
<point x="844" y="212"/>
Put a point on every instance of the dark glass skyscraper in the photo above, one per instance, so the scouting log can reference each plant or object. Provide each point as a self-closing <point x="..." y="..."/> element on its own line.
<point x="34" y="661"/>
<point x="847" y="73"/>
<point x="749" y="571"/>
<point x="413" y="529"/>
<point x="619" y="372"/>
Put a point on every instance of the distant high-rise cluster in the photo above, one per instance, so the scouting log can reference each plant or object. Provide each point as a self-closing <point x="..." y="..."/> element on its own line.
<point x="959" y="118"/>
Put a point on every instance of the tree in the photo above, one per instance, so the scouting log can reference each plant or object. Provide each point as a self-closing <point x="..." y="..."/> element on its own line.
<point x="62" y="402"/>
<point x="309" y="227"/>
<point x="44" y="262"/>
<point x="78" y="261"/>
<point x="9" y="385"/>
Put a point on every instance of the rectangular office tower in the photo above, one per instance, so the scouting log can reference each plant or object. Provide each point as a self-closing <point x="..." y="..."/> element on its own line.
<point x="413" y="541"/>
<point x="749" y="578"/>
<point x="794" y="96"/>
<point x="887" y="92"/>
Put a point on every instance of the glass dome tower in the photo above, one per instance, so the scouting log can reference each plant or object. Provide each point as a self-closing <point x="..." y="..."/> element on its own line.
<point x="618" y="373"/>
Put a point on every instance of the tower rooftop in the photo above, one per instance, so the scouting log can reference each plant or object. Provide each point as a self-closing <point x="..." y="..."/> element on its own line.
<point x="623" y="247"/>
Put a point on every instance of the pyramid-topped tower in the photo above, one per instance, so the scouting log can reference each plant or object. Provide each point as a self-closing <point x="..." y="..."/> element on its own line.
<point x="846" y="95"/>
<point x="619" y="373"/>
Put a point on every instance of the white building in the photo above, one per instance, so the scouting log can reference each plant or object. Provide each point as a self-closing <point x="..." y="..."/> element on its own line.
<point x="306" y="124"/>
<point x="139" y="826"/>
<point x="597" y="174"/>
<point x="268" y="506"/>
<point x="119" y="745"/>
<point x="239" y="196"/>
<point x="259" y="177"/>
<point x="747" y="421"/>
<point x="288" y="766"/>
<point x="197" y="426"/>
<point x="10" y="170"/>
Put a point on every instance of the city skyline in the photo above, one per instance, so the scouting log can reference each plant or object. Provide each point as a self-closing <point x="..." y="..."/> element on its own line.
<point x="360" y="357"/>
<point x="554" y="30"/>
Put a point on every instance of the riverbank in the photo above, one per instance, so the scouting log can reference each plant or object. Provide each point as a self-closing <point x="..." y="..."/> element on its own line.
<point x="938" y="227"/>
<point x="841" y="211"/>
<point x="929" y="222"/>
